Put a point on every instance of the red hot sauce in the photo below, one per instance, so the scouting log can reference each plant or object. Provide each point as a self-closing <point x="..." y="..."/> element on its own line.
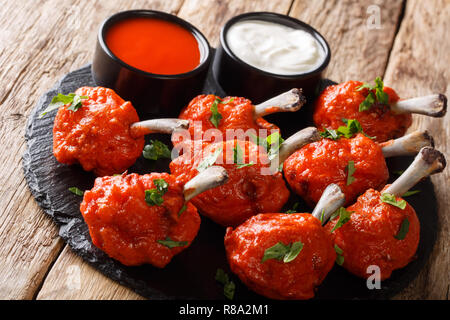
<point x="154" y="45"/>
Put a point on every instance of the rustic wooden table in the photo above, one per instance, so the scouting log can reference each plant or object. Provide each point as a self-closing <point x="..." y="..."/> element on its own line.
<point x="41" y="40"/>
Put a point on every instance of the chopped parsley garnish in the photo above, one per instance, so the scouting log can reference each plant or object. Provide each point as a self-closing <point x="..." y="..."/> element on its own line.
<point x="344" y="217"/>
<point x="273" y="144"/>
<point x="294" y="208"/>
<point x="239" y="157"/>
<point x="156" y="150"/>
<point x="169" y="243"/>
<point x="72" y="100"/>
<point x="216" y="116"/>
<point x="380" y="96"/>
<point x="350" y="171"/>
<point x="352" y="127"/>
<point x="410" y="193"/>
<point x="403" y="231"/>
<point x="280" y="251"/>
<point x="161" y="185"/>
<point x="228" y="285"/>
<point x="243" y="165"/>
<point x="183" y="209"/>
<point x="392" y="200"/>
<point x="76" y="191"/>
<point x="321" y="215"/>
<point x="154" y="197"/>
<point x="209" y="160"/>
<point x="339" y="256"/>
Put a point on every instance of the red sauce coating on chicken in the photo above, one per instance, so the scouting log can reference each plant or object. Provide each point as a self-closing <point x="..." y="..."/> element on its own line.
<point x="245" y="247"/>
<point x="97" y="135"/>
<point x="247" y="192"/>
<point x="236" y="112"/>
<point x="315" y="166"/>
<point x="342" y="101"/>
<point x="368" y="238"/>
<point x="123" y="225"/>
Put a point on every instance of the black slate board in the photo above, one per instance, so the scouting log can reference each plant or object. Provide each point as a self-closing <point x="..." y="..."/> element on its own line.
<point x="190" y="275"/>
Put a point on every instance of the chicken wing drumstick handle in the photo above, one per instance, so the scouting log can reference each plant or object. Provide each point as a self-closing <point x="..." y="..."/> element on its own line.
<point x="295" y="142"/>
<point x="332" y="199"/>
<point x="434" y="105"/>
<point x="289" y="101"/>
<point x="407" y="145"/>
<point x="165" y="125"/>
<point x="429" y="161"/>
<point x="210" y="178"/>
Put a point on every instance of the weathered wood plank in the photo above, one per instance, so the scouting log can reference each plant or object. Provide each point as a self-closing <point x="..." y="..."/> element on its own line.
<point x="418" y="66"/>
<point x="37" y="48"/>
<point x="72" y="278"/>
<point x="357" y="51"/>
<point x="210" y="15"/>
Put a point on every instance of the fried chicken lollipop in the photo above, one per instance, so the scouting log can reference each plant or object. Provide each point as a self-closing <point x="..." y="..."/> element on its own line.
<point x="138" y="219"/>
<point x="381" y="114"/>
<point x="99" y="130"/>
<point x="381" y="229"/>
<point x="355" y="164"/>
<point x="284" y="256"/>
<point x="255" y="185"/>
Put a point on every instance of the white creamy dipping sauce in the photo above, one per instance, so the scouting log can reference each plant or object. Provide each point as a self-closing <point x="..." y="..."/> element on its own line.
<point x="274" y="47"/>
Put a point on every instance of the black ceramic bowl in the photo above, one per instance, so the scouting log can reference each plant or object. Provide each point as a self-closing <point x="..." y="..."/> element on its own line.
<point x="238" y="78"/>
<point x="153" y="95"/>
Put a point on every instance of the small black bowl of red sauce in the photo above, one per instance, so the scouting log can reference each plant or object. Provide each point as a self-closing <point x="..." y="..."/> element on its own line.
<point x="262" y="54"/>
<point x="153" y="59"/>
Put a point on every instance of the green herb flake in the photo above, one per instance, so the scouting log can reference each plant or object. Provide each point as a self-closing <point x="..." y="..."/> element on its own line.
<point x="367" y="103"/>
<point x="294" y="208"/>
<point x="243" y="165"/>
<point x="410" y="193"/>
<point x="239" y="158"/>
<point x="350" y="168"/>
<point x="352" y="127"/>
<point x="215" y="116"/>
<point x="76" y="191"/>
<point x="154" y="197"/>
<point x="156" y="150"/>
<point x="403" y="231"/>
<point x="329" y="134"/>
<point x="72" y="100"/>
<point x="273" y="144"/>
<point x="209" y="160"/>
<point x="293" y="252"/>
<point x="380" y="96"/>
<point x="339" y="255"/>
<point x="392" y="200"/>
<point x="183" y="209"/>
<point x="161" y="185"/>
<point x="169" y="243"/>
<point x="238" y="154"/>
<point x="321" y="215"/>
<point x="228" y="285"/>
<point x="344" y="217"/>
<point x="282" y="252"/>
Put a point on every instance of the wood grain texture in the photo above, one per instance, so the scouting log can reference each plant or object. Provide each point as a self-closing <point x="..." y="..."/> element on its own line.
<point x="72" y="278"/>
<point x="210" y="15"/>
<point x="357" y="52"/>
<point x="419" y="66"/>
<point x="37" y="48"/>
